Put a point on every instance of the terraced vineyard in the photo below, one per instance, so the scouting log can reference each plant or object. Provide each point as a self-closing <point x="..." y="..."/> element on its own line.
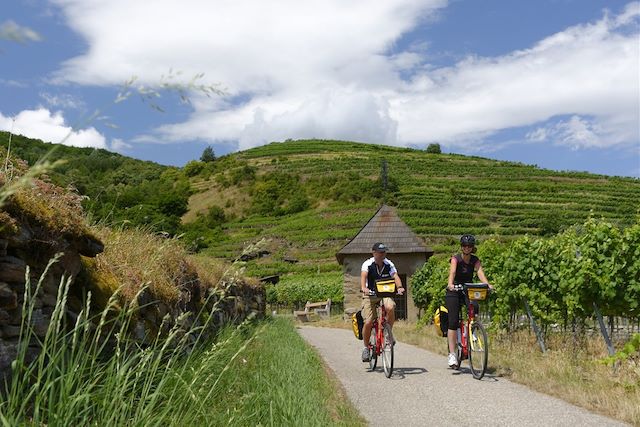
<point x="440" y="196"/>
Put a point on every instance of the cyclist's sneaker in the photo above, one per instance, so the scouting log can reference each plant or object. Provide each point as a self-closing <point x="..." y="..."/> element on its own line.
<point x="365" y="354"/>
<point x="453" y="361"/>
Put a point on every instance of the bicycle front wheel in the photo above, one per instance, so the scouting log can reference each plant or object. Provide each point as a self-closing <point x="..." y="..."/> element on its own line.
<point x="373" y="354"/>
<point x="387" y="351"/>
<point x="478" y="345"/>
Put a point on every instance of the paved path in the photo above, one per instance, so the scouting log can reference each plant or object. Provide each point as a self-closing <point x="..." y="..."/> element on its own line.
<point x="424" y="391"/>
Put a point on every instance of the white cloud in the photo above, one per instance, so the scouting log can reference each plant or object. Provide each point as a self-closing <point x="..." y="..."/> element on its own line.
<point x="9" y="30"/>
<point x="325" y="69"/>
<point x="328" y="114"/>
<point x="50" y="127"/>
<point x="62" y="101"/>
<point x="252" y="46"/>
<point x="13" y="83"/>
<point x="300" y="64"/>
<point x="576" y="132"/>
<point x="119" y="145"/>
<point x="587" y="70"/>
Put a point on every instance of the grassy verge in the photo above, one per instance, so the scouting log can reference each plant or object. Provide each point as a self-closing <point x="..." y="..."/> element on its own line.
<point x="278" y="381"/>
<point x="568" y="370"/>
<point x="259" y="373"/>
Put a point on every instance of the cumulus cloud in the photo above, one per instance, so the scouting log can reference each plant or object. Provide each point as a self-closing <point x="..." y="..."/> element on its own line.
<point x="51" y="127"/>
<point x="587" y="70"/>
<point x="324" y="69"/>
<point x="297" y="63"/>
<point x="328" y="114"/>
<point x="254" y="46"/>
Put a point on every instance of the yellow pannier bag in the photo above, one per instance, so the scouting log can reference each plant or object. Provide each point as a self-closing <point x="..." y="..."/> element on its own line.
<point x="357" y="322"/>
<point x="441" y="320"/>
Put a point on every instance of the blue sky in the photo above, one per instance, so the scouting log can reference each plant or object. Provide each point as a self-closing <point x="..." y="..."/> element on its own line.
<point x="554" y="83"/>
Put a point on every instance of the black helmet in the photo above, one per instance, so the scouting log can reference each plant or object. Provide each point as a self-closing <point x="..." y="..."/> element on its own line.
<point x="379" y="247"/>
<point x="468" y="240"/>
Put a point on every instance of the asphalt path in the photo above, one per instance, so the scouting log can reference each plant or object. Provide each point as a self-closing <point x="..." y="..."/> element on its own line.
<point x="423" y="391"/>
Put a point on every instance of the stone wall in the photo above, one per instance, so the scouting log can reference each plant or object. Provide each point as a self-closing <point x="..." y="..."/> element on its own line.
<point x="23" y="248"/>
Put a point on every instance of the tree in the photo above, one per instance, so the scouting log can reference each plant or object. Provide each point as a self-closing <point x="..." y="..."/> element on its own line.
<point x="434" y="148"/>
<point x="208" y="155"/>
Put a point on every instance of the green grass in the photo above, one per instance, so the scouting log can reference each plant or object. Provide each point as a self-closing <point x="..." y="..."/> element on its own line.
<point x="280" y="381"/>
<point x="258" y="373"/>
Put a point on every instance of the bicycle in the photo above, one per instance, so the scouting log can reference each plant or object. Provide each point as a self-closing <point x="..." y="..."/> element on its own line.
<point x="476" y="349"/>
<point x="380" y="342"/>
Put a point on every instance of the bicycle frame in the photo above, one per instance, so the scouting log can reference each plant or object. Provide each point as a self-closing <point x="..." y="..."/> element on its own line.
<point x="380" y="343"/>
<point x="465" y="327"/>
<point x="471" y="337"/>
<point x="377" y="328"/>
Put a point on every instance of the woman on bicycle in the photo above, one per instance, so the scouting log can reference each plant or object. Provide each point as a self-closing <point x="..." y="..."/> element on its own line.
<point x="463" y="266"/>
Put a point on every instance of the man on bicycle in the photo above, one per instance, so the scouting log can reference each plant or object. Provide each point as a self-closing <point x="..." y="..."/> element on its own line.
<point x="378" y="267"/>
<point x="463" y="266"/>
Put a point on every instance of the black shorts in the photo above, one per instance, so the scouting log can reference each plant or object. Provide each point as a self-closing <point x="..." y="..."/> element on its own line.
<point x="454" y="300"/>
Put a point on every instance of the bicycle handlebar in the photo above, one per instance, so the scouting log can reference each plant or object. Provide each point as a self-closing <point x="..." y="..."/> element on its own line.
<point x="371" y="293"/>
<point x="463" y="286"/>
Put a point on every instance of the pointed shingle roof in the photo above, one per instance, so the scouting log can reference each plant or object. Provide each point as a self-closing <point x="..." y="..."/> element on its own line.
<point x="386" y="227"/>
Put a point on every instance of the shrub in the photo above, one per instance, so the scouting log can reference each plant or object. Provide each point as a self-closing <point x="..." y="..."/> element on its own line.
<point x="428" y="285"/>
<point x="300" y="288"/>
<point x="193" y="168"/>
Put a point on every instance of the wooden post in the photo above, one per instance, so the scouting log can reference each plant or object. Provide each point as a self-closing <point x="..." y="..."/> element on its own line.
<point x="603" y="329"/>
<point x="535" y="327"/>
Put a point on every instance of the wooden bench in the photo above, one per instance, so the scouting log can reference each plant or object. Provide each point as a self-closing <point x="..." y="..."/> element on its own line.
<point x="322" y="309"/>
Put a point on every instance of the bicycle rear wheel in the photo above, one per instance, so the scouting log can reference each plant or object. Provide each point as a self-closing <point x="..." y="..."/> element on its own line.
<point x="387" y="351"/>
<point x="373" y="354"/>
<point x="478" y="345"/>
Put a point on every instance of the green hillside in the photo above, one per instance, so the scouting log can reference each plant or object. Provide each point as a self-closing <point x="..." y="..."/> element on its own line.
<point x="303" y="200"/>
<point x="308" y="198"/>
<point x="118" y="189"/>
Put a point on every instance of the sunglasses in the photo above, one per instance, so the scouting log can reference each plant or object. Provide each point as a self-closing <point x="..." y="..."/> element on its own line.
<point x="467" y="246"/>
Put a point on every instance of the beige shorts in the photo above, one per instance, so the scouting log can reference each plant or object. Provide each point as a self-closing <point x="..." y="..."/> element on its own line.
<point x="369" y="311"/>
